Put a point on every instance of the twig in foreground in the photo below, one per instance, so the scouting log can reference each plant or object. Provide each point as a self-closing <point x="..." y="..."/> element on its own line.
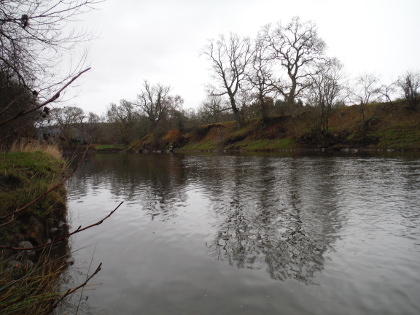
<point x="62" y="238"/>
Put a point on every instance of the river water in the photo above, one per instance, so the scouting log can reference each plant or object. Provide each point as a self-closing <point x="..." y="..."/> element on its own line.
<point x="247" y="234"/>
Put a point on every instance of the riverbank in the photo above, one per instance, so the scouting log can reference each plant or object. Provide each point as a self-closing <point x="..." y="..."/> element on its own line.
<point x="29" y="278"/>
<point x="386" y="126"/>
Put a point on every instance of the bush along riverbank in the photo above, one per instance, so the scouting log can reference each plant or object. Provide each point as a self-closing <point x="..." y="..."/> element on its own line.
<point x="378" y="126"/>
<point x="29" y="278"/>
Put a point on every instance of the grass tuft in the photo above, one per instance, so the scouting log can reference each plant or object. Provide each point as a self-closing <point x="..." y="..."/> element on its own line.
<point x="110" y="147"/>
<point x="28" y="145"/>
<point x="30" y="289"/>
<point x="26" y="172"/>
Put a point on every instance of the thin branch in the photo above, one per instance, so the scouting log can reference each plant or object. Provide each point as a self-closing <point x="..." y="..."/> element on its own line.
<point x="49" y="190"/>
<point x="62" y="238"/>
<point x="82" y="291"/>
<point x="70" y="291"/>
<point x="8" y="222"/>
<point x="50" y="100"/>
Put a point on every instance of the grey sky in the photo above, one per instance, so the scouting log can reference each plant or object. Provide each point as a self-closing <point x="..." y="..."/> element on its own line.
<point x="161" y="41"/>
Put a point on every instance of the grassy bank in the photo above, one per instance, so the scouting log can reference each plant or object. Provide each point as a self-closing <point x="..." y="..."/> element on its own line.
<point x="28" y="279"/>
<point x="385" y="126"/>
<point x="109" y="147"/>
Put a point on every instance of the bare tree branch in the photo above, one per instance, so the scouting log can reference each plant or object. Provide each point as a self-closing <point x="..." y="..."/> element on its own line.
<point x="71" y="291"/>
<point x="62" y="238"/>
<point x="295" y="48"/>
<point x="230" y="59"/>
<point x="50" y="100"/>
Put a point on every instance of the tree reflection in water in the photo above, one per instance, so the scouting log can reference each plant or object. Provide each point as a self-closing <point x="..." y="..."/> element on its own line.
<point x="283" y="230"/>
<point x="273" y="213"/>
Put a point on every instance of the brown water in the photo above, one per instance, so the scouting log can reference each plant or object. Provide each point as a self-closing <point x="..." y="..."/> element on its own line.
<point x="247" y="234"/>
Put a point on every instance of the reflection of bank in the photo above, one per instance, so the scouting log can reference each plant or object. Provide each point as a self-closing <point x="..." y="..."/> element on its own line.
<point x="280" y="216"/>
<point x="156" y="182"/>
<point x="273" y="213"/>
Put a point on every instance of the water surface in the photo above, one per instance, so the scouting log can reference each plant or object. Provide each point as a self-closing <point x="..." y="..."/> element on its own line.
<point x="247" y="234"/>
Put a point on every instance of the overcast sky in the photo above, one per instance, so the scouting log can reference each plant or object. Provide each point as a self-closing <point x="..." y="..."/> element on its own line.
<point x="161" y="41"/>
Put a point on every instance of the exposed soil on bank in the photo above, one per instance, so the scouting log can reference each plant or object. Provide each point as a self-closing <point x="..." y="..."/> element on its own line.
<point x="390" y="126"/>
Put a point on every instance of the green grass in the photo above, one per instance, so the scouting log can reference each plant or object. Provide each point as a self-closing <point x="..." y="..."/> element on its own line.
<point x="38" y="164"/>
<point x="399" y="138"/>
<point x="23" y="177"/>
<point x="206" y="146"/>
<point x="110" y="147"/>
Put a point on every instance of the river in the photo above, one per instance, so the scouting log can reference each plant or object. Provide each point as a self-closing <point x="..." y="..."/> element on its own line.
<point x="247" y="234"/>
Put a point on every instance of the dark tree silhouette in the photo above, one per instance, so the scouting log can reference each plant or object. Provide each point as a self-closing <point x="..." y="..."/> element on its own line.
<point x="230" y="59"/>
<point x="294" y="49"/>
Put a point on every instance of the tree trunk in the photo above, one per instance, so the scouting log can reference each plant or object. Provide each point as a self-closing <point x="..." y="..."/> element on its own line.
<point x="236" y="112"/>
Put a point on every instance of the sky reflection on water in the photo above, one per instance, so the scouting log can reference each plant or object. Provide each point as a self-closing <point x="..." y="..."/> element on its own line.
<point x="226" y="234"/>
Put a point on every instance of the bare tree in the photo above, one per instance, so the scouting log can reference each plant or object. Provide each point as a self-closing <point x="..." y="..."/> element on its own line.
<point x="124" y="118"/>
<point x="89" y="127"/>
<point x="176" y="117"/>
<point x="365" y="90"/>
<point x="295" y="49"/>
<point x="35" y="37"/>
<point x="229" y="59"/>
<point x="386" y="90"/>
<point x="259" y="77"/>
<point x="67" y="120"/>
<point x="156" y="103"/>
<point x="410" y="84"/>
<point x="327" y="89"/>
<point x="211" y="108"/>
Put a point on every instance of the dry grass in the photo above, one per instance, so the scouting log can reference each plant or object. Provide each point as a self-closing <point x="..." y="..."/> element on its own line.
<point x="33" y="290"/>
<point x="28" y="145"/>
<point x="26" y="172"/>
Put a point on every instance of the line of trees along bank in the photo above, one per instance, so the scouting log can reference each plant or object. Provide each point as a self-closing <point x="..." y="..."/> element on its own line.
<point x="289" y="64"/>
<point x="154" y="110"/>
<point x="157" y="111"/>
<point x="284" y="70"/>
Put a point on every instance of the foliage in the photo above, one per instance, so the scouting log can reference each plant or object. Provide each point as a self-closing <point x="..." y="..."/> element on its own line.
<point x="124" y="118"/>
<point x="410" y="85"/>
<point x="66" y="119"/>
<point x="15" y="98"/>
